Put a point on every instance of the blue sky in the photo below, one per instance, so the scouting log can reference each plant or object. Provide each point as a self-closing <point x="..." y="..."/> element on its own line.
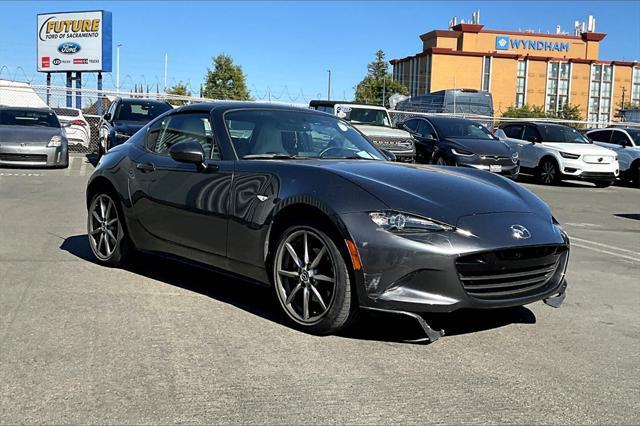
<point x="286" y="47"/>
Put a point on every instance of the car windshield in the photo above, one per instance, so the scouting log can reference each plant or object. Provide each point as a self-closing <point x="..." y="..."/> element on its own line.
<point x="635" y="135"/>
<point x="561" y="134"/>
<point x="140" y="111"/>
<point x="259" y="134"/>
<point x="462" y="129"/>
<point x="358" y="115"/>
<point x="28" y="117"/>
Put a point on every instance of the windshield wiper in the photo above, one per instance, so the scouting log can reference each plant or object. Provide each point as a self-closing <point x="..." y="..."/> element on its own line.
<point x="271" y="157"/>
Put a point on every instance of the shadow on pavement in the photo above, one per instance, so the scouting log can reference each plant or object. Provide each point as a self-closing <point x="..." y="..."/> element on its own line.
<point x="635" y="216"/>
<point x="260" y="301"/>
<point x="92" y="158"/>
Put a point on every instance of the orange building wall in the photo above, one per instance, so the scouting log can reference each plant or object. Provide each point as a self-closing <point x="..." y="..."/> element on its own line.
<point x="448" y="72"/>
<point x="536" y="82"/>
<point x="503" y="83"/>
<point x="622" y="78"/>
<point x="579" y="94"/>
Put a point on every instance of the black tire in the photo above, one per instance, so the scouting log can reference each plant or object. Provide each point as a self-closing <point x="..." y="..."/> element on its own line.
<point x="439" y="160"/>
<point x="116" y="249"/>
<point x="635" y="176"/>
<point x="602" y="184"/>
<point x="548" y="172"/>
<point x="342" y="306"/>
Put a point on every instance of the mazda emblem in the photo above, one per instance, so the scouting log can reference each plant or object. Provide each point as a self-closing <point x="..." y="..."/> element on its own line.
<point x="519" y="232"/>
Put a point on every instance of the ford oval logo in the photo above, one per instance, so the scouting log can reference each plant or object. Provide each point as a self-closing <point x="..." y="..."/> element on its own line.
<point x="519" y="232"/>
<point x="69" y="48"/>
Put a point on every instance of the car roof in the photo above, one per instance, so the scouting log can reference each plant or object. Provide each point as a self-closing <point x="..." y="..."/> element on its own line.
<point x="143" y="100"/>
<point x="223" y="106"/>
<point x="316" y="102"/>
<point x="444" y="120"/>
<point x="534" y="123"/>
<point x="22" y="108"/>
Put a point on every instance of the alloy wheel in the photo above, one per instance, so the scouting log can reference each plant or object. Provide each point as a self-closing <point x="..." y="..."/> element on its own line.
<point x="548" y="172"/>
<point x="305" y="276"/>
<point x="104" y="227"/>
<point x="440" y="161"/>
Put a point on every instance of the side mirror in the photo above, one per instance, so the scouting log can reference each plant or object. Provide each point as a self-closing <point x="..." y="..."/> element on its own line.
<point x="389" y="155"/>
<point x="188" y="151"/>
<point x="106" y="116"/>
<point x="500" y="134"/>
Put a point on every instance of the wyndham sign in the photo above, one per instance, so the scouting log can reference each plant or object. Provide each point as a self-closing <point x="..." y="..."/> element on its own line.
<point x="507" y="43"/>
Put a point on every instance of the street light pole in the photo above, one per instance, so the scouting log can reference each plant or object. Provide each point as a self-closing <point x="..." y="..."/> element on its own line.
<point x="166" y="61"/>
<point x="118" y="46"/>
<point x="329" y="87"/>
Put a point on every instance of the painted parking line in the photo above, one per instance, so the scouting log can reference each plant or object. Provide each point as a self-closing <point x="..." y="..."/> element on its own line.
<point x="603" y="245"/>
<point x="20" y="174"/>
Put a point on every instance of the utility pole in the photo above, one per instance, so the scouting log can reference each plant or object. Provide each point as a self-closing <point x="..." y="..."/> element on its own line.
<point x="166" y="62"/>
<point x="118" y="46"/>
<point x="329" y="87"/>
<point x="384" y="88"/>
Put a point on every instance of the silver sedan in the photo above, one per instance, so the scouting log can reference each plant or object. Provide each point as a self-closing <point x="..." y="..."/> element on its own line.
<point x="32" y="137"/>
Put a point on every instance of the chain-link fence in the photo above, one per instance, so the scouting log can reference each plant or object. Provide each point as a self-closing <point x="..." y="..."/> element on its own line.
<point x="84" y="105"/>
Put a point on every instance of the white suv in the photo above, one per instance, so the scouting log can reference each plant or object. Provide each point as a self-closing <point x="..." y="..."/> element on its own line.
<point x="553" y="152"/>
<point x="75" y="126"/>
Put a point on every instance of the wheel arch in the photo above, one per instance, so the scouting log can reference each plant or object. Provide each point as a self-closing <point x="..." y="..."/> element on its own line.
<point x="97" y="184"/>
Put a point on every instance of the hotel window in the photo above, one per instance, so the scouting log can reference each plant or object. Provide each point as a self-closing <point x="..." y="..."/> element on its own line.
<point x="600" y="91"/>
<point x="558" y="76"/>
<point x="635" y="86"/>
<point x="521" y="84"/>
<point x="486" y="73"/>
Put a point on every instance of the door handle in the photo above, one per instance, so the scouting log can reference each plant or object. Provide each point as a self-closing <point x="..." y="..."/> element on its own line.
<point x="145" y="167"/>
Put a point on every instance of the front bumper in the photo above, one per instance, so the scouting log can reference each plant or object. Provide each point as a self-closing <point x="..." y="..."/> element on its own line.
<point x="424" y="272"/>
<point x="578" y="169"/>
<point x="32" y="155"/>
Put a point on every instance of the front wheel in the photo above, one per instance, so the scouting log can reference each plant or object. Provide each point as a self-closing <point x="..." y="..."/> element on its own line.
<point x="311" y="281"/>
<point x="548" y="172"/>
<point x="107" y="234"/>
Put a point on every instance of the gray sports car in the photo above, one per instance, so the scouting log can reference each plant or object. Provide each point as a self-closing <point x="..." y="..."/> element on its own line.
<point x="32" y="137"/>
<point x="302" y="201"/>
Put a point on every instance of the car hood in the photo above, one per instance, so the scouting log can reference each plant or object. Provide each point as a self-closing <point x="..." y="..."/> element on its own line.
<point x="441" y="193"/>
<point x="382" y="131"/>
<point x="128" y="127"/>
<point x="33" y="134"/>
<point x="579" y="148"/>
<point x="482" y="146"/>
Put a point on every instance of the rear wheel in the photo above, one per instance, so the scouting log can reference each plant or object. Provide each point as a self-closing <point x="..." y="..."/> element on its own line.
<point x="311" y="281"/>
<point x="548" y="173"/>
<point x="107" y="234"/>
<point x="635" y="176"/>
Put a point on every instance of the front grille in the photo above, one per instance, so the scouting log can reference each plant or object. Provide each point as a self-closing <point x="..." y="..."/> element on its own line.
<point x="391" y="143"/>
<point x="511" y="273"/>
<point x="596" y="175"/>
<point x="24" y="157"/>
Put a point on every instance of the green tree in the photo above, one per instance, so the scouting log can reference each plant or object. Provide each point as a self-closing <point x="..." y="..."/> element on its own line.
<point x="226" y="80"/>
<point x="525" y="111"/>
<point x="179" y="89"/>
<point x="378" y="83"/>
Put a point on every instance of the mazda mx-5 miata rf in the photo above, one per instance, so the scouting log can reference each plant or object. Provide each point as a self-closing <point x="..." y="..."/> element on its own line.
<point x="302" y="201"/>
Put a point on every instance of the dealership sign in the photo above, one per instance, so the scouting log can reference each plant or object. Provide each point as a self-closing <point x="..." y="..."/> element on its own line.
<point x="507" y="43"/>
<point x="74" y="41"/>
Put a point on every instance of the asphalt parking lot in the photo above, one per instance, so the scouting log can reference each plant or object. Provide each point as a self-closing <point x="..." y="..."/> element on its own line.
<point x="166" y="343"/>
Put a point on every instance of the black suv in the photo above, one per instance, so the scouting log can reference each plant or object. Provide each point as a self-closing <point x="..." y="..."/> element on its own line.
<point x="125" y="117"/>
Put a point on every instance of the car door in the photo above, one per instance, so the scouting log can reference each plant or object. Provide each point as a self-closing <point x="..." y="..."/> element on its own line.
<point x="528" y="148"/>
<point x="181" y="204"/>
<point x="428" y="139"/>
<point x="619" y="141"/>
<point x="105" y="126"/>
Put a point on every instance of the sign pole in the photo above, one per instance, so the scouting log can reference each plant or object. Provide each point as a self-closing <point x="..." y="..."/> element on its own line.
<point x="79" y="90"/>
<point x="69" y="90"/>
<point x="99" y="105"/>
<point x="48" y="89"/>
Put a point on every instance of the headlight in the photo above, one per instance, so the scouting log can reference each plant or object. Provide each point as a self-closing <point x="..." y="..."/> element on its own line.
<point x="55" y="141"/>
<point x="401" y="222"/>
<point x="569" y="156"/>
<point x="122" y="136"/>
<point x="461" y="152"/>
<point x="514" y="157"/>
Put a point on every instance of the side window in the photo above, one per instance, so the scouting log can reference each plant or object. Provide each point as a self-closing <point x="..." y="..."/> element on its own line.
<point x="514" y="131"/>
<point x="182" y="127"/>
<point x="600" y="136"/>
<point x="620" y="138"/>
<point x="411" y="125"/>
<point x="111" y="109"/>
<point x="153" y="133"/>
<point x="531" y="134"/>
<point x="425" y="128"/>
